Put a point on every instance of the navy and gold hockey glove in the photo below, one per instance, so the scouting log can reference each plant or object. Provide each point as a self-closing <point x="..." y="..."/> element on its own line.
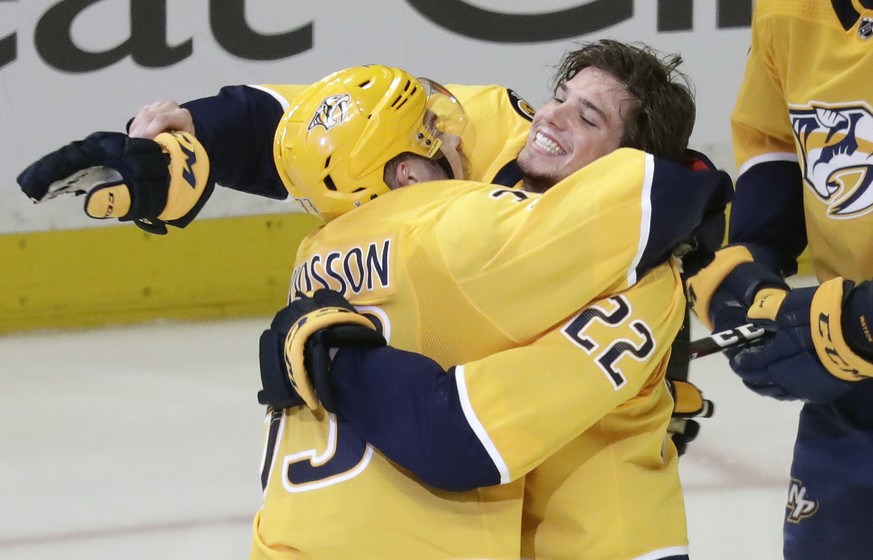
<point x="820" y="345"/>
<point x="295" y="352"/>
<point x="688" y="404"/>
<point x="150" y="182"/>
<point x="722" y="292"/>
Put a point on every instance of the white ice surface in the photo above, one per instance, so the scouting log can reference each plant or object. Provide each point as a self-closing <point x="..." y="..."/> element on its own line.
<point x="144" y="442"/>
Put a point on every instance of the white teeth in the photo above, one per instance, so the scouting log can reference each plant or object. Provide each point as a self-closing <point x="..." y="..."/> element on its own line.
<point x="548" y="145"/>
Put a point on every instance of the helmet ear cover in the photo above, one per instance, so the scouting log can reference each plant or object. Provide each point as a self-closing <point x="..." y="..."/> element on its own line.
<point x="332" y="145"/>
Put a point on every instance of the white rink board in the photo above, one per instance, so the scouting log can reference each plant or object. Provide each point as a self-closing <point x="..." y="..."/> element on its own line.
<point x="43" y="106"/>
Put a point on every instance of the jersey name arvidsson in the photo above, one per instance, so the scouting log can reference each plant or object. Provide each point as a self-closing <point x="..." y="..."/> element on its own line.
<point x="349" y="272"/>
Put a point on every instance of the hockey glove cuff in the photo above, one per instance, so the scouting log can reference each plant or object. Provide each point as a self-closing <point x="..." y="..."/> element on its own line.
<point x="836" y="336"/>
<point x="310" y="327"/>
<point x="688" y="401"/>
<point x="721" y="293"/>
<point x="688" y="404"/>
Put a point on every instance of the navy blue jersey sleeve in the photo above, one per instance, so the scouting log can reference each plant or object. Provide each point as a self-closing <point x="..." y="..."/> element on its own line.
<point x="768" y="215"/>
<point x="236" y="127"/>
<point x="685" y="201"/>
<point x="406" y="406"/>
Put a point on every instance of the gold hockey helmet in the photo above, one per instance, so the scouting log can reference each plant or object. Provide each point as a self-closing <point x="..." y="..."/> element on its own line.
<point x="332" y="145"/>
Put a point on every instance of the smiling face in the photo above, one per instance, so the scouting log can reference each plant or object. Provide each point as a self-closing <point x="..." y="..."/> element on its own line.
<point x="582" y="122"/>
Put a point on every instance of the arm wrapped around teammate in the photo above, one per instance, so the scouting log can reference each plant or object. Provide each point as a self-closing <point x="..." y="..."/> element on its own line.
<point x="699" y="249"/>
<point x="295" y="352"/>
<point x="821" y="343"/>
<point x="151" y="182"/>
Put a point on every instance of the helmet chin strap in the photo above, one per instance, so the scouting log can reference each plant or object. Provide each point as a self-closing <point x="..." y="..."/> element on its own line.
<point x="446" y="165"/>
<point x="450" y="158"/>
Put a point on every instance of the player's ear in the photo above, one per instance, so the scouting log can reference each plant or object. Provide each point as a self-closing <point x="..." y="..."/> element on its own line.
<point x="404" y="175"/>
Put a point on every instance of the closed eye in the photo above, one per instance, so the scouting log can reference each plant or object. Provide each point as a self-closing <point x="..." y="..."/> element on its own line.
<point x="597" y="116"/>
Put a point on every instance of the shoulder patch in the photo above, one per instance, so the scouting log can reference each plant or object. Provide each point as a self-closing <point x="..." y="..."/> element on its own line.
<point x="521" y="106"/>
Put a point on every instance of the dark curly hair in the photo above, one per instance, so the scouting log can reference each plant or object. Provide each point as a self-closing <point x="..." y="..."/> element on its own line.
<point x="662" y="119"/>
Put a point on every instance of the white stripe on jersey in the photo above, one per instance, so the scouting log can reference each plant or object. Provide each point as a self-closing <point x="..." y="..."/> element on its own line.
<point x="477" y="426"/>
<point x="282" y="101"/>
<point x="664" y="553"/>
<point x="645" y="218"/>
<point x="766" y="158"/>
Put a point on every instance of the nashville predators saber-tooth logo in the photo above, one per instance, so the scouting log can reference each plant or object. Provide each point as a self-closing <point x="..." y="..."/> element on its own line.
<point x="836" y="146"/>
<point x="798" y="506"/>
<point x="332" y="111"/>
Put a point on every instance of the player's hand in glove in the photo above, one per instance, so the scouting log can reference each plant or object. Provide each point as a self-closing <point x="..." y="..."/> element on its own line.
<point x="722" y="292"/>
<point x="821" y="342"/>
<point x="688" y="404"/>
<point x="151" y="182"/>
<point x="295" y="352"/>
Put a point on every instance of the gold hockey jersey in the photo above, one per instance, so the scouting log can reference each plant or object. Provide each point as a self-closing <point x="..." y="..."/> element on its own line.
<point x="484" y="524"/>
<point x="563" y="307"/>
<point x="794" y="107"/>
